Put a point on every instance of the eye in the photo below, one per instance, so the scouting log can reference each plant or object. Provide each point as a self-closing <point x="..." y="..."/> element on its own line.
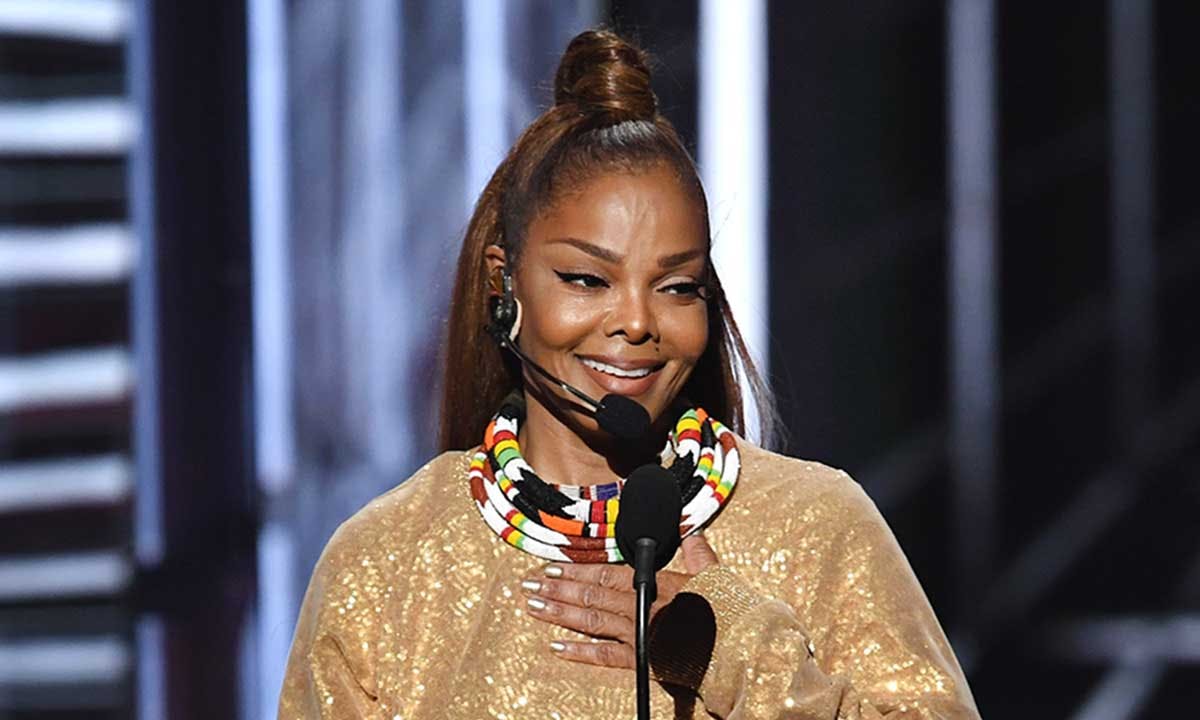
<point x="585" y="280"/>
<point x="686" y="289"/>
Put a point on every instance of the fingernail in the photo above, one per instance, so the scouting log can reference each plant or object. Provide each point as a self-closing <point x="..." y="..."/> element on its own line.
<point x="531" y="585"/>
<point x="536" y="603"/>
<point x="557" y="647"/>
<point x="553" y="571"/>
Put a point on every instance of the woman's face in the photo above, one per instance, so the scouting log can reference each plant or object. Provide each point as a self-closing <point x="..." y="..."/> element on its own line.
<point x="610" y="281"/>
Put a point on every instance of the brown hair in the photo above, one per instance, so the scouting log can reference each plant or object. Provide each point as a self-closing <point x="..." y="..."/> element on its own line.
<point x="605" y="118"/>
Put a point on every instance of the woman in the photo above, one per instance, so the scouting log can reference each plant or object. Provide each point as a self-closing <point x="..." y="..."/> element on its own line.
<point x="588" y="250"/>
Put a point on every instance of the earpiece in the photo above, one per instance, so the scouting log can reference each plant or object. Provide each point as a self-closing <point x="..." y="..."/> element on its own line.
<point x="506" y="308"/>
<point x="515" y="330"/>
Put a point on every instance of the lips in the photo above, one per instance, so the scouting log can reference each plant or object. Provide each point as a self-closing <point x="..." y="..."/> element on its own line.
<point x="617" y="371"/>
<point x="620" y="376"/>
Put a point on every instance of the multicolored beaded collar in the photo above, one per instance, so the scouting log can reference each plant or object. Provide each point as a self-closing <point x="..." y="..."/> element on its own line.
<point x="567" y="523"/>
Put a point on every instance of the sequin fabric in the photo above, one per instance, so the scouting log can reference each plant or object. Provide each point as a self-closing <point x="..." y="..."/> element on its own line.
<point x="414" y="612"/>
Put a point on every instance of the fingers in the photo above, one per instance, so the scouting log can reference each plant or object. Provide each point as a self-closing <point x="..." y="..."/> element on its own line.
<point x="583" y="595"/>
<point x="698" y="555"/>
<point x="593" y="600"/>
<point x="589" y="621"/>
<point x="615" y="577"/>
<point x="607" y="654"/>
<point x="598" y="600"/>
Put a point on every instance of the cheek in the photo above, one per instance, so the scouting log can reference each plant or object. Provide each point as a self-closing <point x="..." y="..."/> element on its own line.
<point x="558" y="322"/>
<point x="686" y="333"/>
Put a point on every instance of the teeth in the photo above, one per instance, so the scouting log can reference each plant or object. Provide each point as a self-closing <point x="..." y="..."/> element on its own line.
<point x="618" y="372"/>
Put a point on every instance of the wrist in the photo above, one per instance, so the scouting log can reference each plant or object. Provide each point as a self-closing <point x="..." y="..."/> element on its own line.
<point x="684" y="636"/>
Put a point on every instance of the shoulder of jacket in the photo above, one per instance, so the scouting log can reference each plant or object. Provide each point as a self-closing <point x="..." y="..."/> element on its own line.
<point x="428" y="482"/>
<point x="800" y="482"/>
<point x="398" y="511"/>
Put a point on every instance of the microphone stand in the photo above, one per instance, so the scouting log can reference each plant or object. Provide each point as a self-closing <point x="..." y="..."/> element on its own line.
<point x="646" y="588"/>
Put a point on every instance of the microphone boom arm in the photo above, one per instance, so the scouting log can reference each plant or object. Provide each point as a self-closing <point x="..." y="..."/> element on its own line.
<point x="505" y="341"/>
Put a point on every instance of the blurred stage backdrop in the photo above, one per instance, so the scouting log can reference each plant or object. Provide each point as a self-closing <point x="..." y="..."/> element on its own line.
<point x="963" y="236"/>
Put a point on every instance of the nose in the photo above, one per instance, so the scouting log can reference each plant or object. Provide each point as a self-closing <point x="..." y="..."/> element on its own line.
<point x="633" y="317"/>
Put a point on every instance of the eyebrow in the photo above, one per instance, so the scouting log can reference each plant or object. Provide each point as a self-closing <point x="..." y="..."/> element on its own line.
<point x="679" y="258"/>
<point x="666" y="261"/>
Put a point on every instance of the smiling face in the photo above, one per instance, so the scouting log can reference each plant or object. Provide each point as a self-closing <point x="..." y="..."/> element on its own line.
<point x="611" y="279"/>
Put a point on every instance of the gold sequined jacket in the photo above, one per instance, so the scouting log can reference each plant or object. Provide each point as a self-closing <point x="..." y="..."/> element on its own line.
<point x="414" y="611"/>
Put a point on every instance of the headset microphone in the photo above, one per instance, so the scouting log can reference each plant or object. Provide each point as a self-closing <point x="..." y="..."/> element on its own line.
<point x="617" y="415"/>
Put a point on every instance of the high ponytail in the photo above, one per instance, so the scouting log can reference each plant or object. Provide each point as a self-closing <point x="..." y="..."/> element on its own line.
<point x="604" y="119"/>
<point x="605" y="77"/>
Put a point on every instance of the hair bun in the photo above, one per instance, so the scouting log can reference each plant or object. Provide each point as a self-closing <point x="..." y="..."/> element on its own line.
<point x="602" y="73"/>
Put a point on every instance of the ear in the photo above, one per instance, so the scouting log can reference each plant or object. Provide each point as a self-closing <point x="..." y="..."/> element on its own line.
<point x="495" y="258"/>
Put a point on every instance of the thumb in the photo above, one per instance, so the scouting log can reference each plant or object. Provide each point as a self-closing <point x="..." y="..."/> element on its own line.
<point x="698" y="554"/>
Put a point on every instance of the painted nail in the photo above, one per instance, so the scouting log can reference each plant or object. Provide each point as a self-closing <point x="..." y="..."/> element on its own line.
<point x="536" y="603"/>
<point x="553" y="571"/>
<point x="531" y="585"/>
<point x="557" y="647"/>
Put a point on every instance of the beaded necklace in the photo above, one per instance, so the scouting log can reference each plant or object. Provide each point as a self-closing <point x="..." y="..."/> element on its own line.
<point x="568" y="523"/>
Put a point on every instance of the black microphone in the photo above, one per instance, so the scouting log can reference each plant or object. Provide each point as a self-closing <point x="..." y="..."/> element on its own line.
<point x="617" y="415"/>
<point x="647" y="536"/>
